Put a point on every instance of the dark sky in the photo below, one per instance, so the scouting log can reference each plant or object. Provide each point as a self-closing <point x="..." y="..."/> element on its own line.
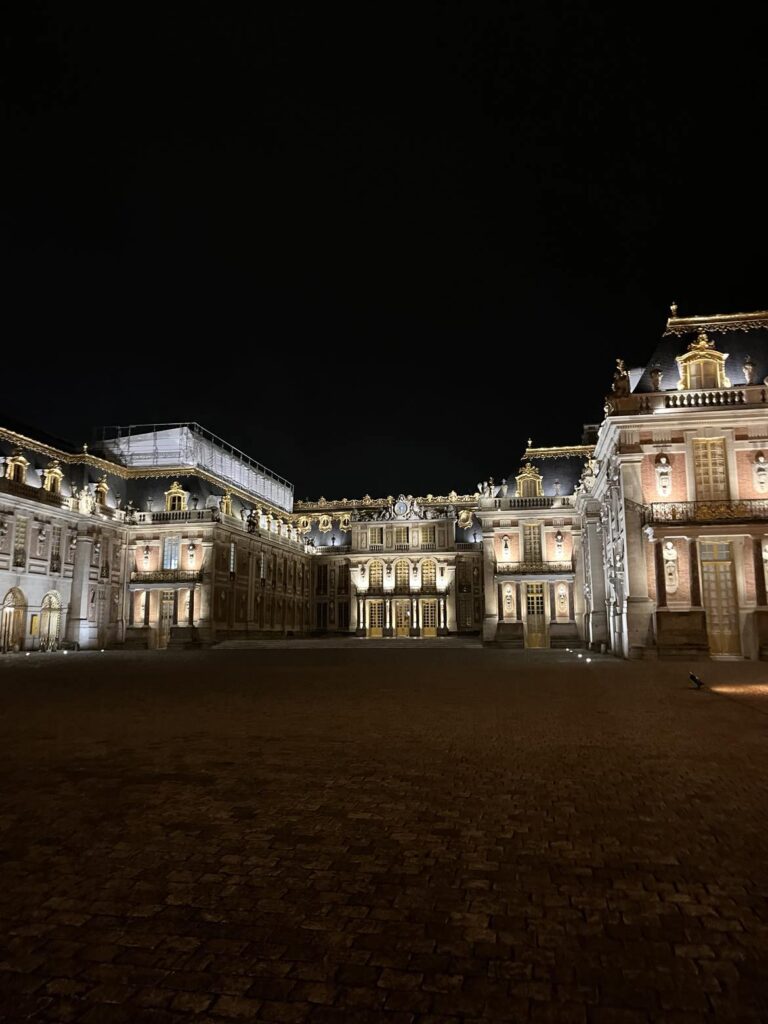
<point x="376" y="246"/>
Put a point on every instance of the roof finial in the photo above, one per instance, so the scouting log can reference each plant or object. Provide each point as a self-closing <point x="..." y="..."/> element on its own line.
<point x="530" y="442"/>
<point x="673" y="309"/>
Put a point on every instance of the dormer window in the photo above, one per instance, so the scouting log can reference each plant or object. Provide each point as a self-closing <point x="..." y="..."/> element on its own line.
<point x="52" y="477"/>
<point x="702" y="366"/>
<point x="176" y="498"/>
<point x="101" y="491"/>
<point x="16" y="468"/>
<point x="529" y="482"/>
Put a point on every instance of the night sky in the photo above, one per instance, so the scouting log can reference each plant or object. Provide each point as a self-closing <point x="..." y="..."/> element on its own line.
<point x="350" y="238"/>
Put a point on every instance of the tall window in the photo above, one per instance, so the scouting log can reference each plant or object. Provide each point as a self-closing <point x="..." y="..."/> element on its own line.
<point x="376" y="575"/>
<point x="428" y="573"/>
<point x="427" y="535"/>
<point x="532" y="543"/>
<point x="703" y="374"/>
<point x="709" y="469"/>
<point x="232" y="558"/>
<point x="377" y="535"/>
<point x="401" y="537"/>
<point x="401" y="573"/>
<point x="171" y="553"/>
<point x="321" y="580"/>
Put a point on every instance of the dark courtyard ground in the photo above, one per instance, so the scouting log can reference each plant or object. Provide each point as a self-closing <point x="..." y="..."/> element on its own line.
<point x="371" y="835"/>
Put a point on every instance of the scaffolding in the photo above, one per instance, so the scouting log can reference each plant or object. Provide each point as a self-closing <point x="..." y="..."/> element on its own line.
<point x="150" y="445"/>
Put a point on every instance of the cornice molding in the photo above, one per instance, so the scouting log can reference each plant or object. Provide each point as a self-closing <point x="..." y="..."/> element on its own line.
<point x="561" y="451"/>
<point x="717" y="322"/>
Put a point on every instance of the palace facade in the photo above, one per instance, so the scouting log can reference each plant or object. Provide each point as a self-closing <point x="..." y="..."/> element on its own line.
<point x="647" y="538"/>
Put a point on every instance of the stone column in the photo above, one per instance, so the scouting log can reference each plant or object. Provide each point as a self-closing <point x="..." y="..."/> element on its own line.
<point x="638" y="603"/>
<point x="661" y="583"/>
<point x="388" y="630"/>
<point x="760" y="588"/>
<point x="79" y="629"/>
<point x="596" y="612"/>
<point x="491" y="590"/>
<point x="415" y="624"/>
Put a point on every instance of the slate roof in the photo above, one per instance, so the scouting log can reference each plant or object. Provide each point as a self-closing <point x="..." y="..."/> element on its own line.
<point x="738" y="334"/>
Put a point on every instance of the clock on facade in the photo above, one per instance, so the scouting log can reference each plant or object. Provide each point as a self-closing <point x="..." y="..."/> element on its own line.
<point x="401" y="507"/>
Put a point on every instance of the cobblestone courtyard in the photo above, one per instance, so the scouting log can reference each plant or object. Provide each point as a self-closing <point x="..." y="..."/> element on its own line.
<point x="393" y="836"/>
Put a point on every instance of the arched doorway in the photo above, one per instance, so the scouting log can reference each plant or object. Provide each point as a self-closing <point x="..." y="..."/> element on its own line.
<point x="12" y="622"/>
<point x="50" y="621"/>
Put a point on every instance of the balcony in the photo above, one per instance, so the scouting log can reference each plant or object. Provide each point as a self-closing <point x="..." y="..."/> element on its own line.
<point x="704" y="398"/>
<point x="542" y="501"/>
<point x="190" y="515"/>
<point x="518" y="568"/>
<point x="704" y="512"/>
<point x="404" y="590"/>
<point x="168" y="576"/>
<point x="469" y="545"/>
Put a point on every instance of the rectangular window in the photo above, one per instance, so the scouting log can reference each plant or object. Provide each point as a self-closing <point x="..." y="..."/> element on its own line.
<point x="343" y="579"/>
<point x="532" y="544"/>
<point x="232" y="558"/>
<point x="56" y="550"/>
<point x="401" y="538"/>
<point x="376" y="534"/>
<point x="428" y="536"/>
<point x="703" y="374"/>
<point x="171" y="553"/>
<point x="20" y="543"/>
<point x="709" y="469"/>
<point x="321" y="579"/>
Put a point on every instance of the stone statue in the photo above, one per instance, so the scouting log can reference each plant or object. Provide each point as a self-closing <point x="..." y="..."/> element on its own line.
<point x="663" y="476"/>
<point x="620" y="385"/>
<point x="656" y="375"/>
<point x="504" y="487"/>
<point x="749" y="370"/>
<point x="760" y="473"/>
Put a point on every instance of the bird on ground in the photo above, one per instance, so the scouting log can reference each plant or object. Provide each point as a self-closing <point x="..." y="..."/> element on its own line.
<point x="695" y="680"/>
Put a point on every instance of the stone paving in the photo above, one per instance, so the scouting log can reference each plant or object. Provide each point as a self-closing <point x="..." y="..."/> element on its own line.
<point x="425" y="835"/>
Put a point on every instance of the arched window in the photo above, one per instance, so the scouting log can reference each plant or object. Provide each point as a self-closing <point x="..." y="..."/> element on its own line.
<point x="401" y="573"/>
<point x="376" y="575"/>
<point x="50" y="621"/>
<point x="428" y="573"/>
<point x="12" y="621"/>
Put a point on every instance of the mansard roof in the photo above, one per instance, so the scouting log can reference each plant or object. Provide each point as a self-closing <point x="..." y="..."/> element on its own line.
<point x="738" y="334"/>
<point x="561" y="465"/>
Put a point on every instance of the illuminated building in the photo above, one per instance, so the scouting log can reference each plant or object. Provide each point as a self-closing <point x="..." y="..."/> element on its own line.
<point x="649" y="538"/>
<point x="675" y="518"/>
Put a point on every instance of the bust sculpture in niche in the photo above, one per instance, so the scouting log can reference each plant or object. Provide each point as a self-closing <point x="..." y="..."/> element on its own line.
<point x="760" y="473"/>
<point x="670" y="566"/>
